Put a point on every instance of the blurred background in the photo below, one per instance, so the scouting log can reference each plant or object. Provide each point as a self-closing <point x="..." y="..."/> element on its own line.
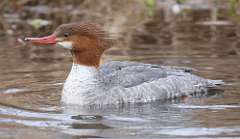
<point x="200" y="34"/>
<point x="27" y="17"/>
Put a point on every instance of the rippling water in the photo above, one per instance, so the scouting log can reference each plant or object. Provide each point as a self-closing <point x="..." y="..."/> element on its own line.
<point x="31" y="79"/>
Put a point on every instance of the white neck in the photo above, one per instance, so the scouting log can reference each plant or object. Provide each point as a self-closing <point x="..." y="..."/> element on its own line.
<point x="81" y="76"/>
<point x="81" y="72"/>
<point x="80" y="81"/>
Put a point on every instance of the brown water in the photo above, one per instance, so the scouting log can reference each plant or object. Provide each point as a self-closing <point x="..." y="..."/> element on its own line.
<point x="31" y="79"/>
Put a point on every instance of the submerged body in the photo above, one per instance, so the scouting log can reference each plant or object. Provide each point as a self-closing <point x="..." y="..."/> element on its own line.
<point x="90" y="83"/>
<point x="130" y="82"/>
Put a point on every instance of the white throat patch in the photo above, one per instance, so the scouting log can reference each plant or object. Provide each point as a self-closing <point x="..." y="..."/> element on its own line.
<point x="65" y="45"/>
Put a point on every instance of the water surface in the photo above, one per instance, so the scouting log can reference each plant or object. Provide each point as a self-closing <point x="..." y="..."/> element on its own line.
<point x="31" y="80"/>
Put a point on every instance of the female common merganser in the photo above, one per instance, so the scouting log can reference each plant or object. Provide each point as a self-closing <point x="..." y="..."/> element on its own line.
<point x="90" y="83"/>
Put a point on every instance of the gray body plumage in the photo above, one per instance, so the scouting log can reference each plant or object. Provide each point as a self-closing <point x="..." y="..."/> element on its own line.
<point x="130" y="82"/>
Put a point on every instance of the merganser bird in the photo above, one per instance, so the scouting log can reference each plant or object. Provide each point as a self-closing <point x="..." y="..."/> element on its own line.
<point x="90" y="83"/>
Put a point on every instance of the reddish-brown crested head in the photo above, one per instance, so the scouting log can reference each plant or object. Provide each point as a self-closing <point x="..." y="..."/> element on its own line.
<point x="86" y="41"/>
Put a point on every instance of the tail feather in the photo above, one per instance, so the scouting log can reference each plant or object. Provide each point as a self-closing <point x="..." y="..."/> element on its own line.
<point x="213" y="83"/>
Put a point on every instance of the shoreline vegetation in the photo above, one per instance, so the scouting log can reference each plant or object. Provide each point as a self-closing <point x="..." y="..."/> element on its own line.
<point x="124" y="17"/>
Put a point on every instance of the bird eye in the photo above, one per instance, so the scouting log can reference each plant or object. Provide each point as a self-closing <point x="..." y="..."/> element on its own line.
<point x="66" y="34"/>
